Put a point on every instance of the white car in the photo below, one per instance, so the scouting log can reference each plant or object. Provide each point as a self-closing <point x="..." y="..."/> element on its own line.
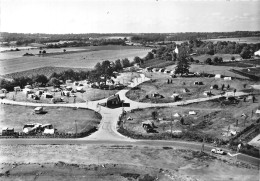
<point x="217" y="151"/>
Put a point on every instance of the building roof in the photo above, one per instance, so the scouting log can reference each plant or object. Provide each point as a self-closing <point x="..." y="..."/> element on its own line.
<point x="116" y="96"/>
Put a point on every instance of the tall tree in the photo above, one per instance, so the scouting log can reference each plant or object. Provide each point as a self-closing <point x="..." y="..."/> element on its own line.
<point x="182" y="63"/>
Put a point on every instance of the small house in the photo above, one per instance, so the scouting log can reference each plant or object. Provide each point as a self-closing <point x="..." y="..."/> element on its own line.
<point x="38" y="110"/>
<point x="4" y="91"/>
<point x="114" y="101"/>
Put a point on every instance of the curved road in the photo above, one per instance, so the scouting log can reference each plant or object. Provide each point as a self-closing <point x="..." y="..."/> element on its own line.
<point x="107" y="132"/>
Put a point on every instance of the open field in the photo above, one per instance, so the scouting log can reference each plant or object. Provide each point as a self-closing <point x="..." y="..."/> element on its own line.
<point x="63" y="119"/>
<point x="247" y="40"/>
<point x="115" y="162"/>
<point x="17" y="54"/>
<point x="47" y="71"/>
<point x="226" y="57"/>
<point x="86" y="59"/>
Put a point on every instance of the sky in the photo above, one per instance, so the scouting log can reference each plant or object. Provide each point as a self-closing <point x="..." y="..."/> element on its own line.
<point x="128" y="16"/>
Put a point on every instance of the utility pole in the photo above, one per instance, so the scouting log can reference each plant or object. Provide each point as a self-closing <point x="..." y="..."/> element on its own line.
<point x="171" y="124"/>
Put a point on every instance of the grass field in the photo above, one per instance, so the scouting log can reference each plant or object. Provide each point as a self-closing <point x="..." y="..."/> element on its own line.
<point x="226" y="57"/>
<point x="248" y="40"/>
<point x="47" y="71"/>
<point x="86" y="59"/>
<point x="63" y="119"/>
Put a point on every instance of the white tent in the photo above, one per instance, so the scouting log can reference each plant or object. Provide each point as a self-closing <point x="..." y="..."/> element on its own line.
<point x="176" y="50"/>
<point x="175" y="95"/>
<point x="192" y="113"/>
<point x="227" y="78"/>
<point x="257" y="53"/>
<point x="257" y="111"/>
<point x="176" y="115"/>
<point x="217" y="76"/>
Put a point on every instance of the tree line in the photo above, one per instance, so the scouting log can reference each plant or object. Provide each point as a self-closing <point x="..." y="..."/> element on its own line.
<point x="101" y="72"/>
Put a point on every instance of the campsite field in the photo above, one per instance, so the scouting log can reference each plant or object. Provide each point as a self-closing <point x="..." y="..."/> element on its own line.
<point x="213" y="69"/>
<point x="211" y="118"/>
<point x="63" y="119"/>
<point x="159" y="84"/>
<point x="86" y="59"/>
<point x="117" y="163"/>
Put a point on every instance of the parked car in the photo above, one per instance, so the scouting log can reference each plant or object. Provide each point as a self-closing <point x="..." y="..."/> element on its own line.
<point x="218" y="151"/>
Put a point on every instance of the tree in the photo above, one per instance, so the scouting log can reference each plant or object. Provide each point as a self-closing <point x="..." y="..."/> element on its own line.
<point x="215" y="60"/>
<point x="233" y="58"/>
<point x="182" y="64"/>
<point x="245" y="53"/>
<point x="149" y="56"/>
<point x="40" y="80"/>
<point x="98" y="67"/>
<point x="208" y="61"/>
<point x="125" y="63"/>
<point x="137" y="59"/>
<point x="154" y="115"/>
<point x="118" y="65"/>
<point x="54" y="82"/>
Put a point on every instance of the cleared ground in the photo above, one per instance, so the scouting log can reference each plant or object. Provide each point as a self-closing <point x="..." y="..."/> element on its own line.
<point x="115" y="162"/>
<point x="86" y="59"/>
<point x="63" y="119"/>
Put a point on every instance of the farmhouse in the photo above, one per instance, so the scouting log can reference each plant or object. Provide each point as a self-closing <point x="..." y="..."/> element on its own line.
<point x="114" y="101"/>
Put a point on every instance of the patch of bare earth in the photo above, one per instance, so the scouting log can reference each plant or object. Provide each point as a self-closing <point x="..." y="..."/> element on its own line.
<point x="116" y="162"/>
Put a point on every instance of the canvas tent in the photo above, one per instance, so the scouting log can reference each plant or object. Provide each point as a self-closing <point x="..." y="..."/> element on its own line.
<point x="47" y="95"/>
<point x="176" y="115"/>
<point x="217" y="76"/>
<point x="185" y="90"/>
<point x="227" y="78"/>
<point x="18" y="88"/>
<point x="192" y="113"/>
<point x="257" y="111"/>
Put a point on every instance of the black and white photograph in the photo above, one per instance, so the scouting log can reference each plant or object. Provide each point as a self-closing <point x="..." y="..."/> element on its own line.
<point x="129" y="90"/>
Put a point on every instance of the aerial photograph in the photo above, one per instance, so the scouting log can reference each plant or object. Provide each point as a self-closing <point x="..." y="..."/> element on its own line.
<point x="129" y="90"/>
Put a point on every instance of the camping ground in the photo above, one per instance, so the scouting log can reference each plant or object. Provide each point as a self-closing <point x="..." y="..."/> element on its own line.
<point x="63" y="119"/>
